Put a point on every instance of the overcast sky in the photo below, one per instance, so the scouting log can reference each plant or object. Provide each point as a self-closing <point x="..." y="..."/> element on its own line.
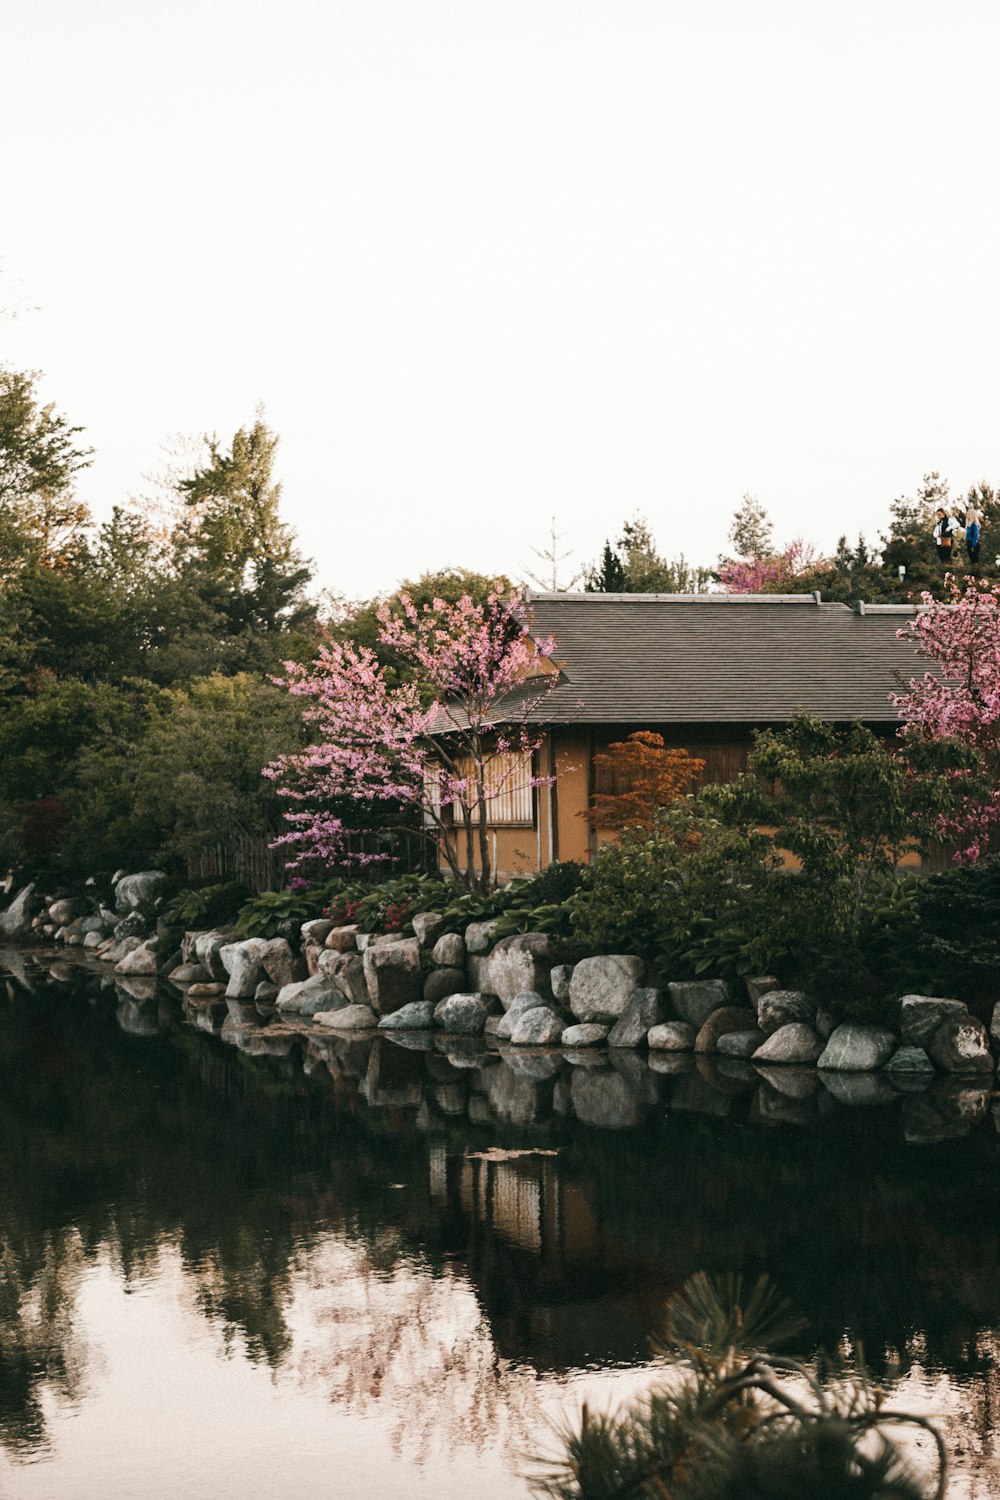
<point x="488" y="261"/>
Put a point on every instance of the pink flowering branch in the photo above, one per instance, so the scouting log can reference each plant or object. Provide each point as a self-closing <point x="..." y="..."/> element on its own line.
<point x="755" y="575"/>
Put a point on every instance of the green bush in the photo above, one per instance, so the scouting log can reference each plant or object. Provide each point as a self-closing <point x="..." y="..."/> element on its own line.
<point x="211" y="905"/>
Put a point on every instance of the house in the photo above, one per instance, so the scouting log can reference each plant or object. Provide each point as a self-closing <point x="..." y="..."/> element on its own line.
<point x="704" y="671"/>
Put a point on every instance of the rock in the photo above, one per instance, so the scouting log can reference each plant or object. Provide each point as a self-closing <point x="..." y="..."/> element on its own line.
<point x="134" y="925"/>
<point x="63" y="911"/>
<point x="536" y="1065"/>
<point x="310" y="996"/>
<point x="449" y="951"/>
<point x="131" y="890"/>
<point x="643" y="1010"/>
<point x="825" y="1024"/>
<point x="995" y="1024"/>
<point x="857" y="1048"/>
<point x="921" y="1015"/>
<point x="537" y="1027"/>
<point x="584" y="1034"/>
<point x="441" y="983"/>
<point x="672" y="1036"/>
<point x="211" y="991"/>
<point x="960" y="1045"/>
<point x="909" y="1060"/>
<point x="242" y="963"/>
<point x="418" y="1016"/>
<point x="426" y="926"/>
<point x="794" y="1083"/>
<point x="279" y="962"/>
<point x="393" y="975"/>
<point x="559" y="980"/>
<point x="519" y="963"/>
<point x="464" y="1013"/>
<point x="348" y="1018"/>
<point x="778" y="1008"/>
<point x="208" y="946"/>
<point x="600" y="988"/>
<point x="604" y="1099"/>
<point x="316" y="931"/>
<point x="477" y="966"/>
<point x="740" y="1043"/>
<point x="695" y="1000"/>
<point x="527" y="1000"/>
<point x="726" y="1018"/>
<point x="311" y="954"/>
<point x="792" y="1043"/>
<point x="266" y="994"/>
<point x="189" y="974"/>
<point x="759" y="984"/>
<point x="342" y="939"/>
<point x="141" y="960"/>
<point x="118" y="951"/>
<point x="347" y="970"/>
<point x="92" y="940"/>
<point x="479" y="936"/>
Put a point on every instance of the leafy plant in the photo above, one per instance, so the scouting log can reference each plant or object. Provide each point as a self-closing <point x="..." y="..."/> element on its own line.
<point x="205" y="906"/>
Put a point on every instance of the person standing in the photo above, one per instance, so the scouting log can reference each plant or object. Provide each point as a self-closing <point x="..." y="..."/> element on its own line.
<point x="945" y="529"/>
<point x="973" y="532"/>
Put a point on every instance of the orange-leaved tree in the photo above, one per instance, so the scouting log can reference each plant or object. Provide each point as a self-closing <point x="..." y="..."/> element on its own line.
<point x="643" y="776"/>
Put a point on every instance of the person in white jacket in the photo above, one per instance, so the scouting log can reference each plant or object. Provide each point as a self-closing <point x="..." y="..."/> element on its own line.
<point x="946" y="528"/>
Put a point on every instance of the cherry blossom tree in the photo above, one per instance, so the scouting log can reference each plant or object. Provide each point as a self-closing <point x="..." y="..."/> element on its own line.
<point x="767" y="572"/>
<point x="452" y="736"/>
<point x="960" y="701"/>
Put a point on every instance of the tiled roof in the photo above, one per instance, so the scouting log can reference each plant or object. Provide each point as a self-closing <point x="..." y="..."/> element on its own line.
<point x="659" y="659"/>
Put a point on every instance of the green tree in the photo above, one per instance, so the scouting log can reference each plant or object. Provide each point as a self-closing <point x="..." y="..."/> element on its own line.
<point x="40" y="519"/>
<point x="633" y="566"/>
<point x="751" y="532"/>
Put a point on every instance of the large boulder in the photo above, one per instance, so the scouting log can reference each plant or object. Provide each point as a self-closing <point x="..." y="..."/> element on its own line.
<point x="759" y="984"/>
<point x="133" y="925"/>
<point x="426" y="926"/>
<point x="416" y="1017"/>
<point x="479" y="936"/>
<point x="792" y="1043"/>
<point x="643" y="1010"/>
<point x="584" y="1034"/>
<point x="279" y="962"/>
<point x="208" y="948"/>
<point x="519" y="963"/>
<point x="449" y="951"/>
<point x="15" y="922"/>
<point x="241" y="962"/>
<point x="857" y="1048"/>
<point x="342" y="939"/>
<point x="440" y="983"/>
<point x="921" y="1015"/>
<point x="316" y="931"/>
<point x="62" y="912"/>
<point x="348" y="1018"/>
<point x="671" y="1036"/>
<point x="132" y="890"/>
<point x="694" y="1000"/>
<point x="538" y="1027"/>
<point x="559" y="980"/>
<point x="527" y="1000"/>
<point x="727" y="1018"/>
<point x="600" y="988"/>
<point x="777" y="1008"/>
<point x="393" y="975"/>
<point x="909" y="1061"/>
<point x="141" y="960"/>
<point x="310" y="996"/>
<point x="960" y="1045"/>
<point x="465" y="1014"/>
<point x="740" y="1043"/>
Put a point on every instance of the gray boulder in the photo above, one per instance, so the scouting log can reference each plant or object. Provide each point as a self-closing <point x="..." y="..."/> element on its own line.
<point x="418" y="1016"/>
<point x="393" y="975"/>
<point x="726" y="1018"/>
<point x="672" y="1036"/>
<point x="759" y="984"/>
<point x="921" y="1015"/>
<point x="537" y="1027"/>
<point x="242" y="963"/>
<point x="960" y="1045"/>
<point x="909" y="1060"/>
<point x="643" y="1010"/>
<point x="62" y="912"/>
<point x="118" y="951"/>
<point x="342" y="939"/>
<point x="347" y="971"/>
<point x="141" y="960"/>
<point x="584" y="1034"/>
<point x="479" y="936"/>
<point x="208" y="947"/>
<point x="449" y="951"/>
<point x="465" y="1014"/>
<point x="131" y="890"/>
<point x="519" y="963"/>
<point x="92" y="940"/>
<point x="600" y="988"/>
<point x="310" y="996"/>
<point x="792" y="1043"/>
<point x="527" y="1000"/>
<point x="15" y="922"/>
<point x="348" y="1018"/>
<point x="426" y="926"/>
<point x="857" y="1048"/>
<point x="316" y="931"/>
<point x="694" y="1000"/>
<point x="441" y="983"/>
<point x="740" y="1043"/>
<point x="777" y="1008"/>
<point x="134" y="925"/>
<point x="858" y="1089"/>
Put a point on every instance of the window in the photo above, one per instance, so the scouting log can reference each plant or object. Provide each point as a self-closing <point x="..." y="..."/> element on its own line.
<point x="507" y="786"/>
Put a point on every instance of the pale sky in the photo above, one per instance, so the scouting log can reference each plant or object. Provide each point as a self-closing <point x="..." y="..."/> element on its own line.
<point x="488" y="261"/>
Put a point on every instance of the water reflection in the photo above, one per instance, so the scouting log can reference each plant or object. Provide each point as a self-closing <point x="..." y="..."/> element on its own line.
<point x="431" y="1234"/>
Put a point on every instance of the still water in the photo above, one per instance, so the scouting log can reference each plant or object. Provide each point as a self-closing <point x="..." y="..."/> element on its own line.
<point x="276" y="1264"/>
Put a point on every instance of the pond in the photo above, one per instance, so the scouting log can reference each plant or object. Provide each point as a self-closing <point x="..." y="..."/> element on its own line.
<point x="295" y="1265"/>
